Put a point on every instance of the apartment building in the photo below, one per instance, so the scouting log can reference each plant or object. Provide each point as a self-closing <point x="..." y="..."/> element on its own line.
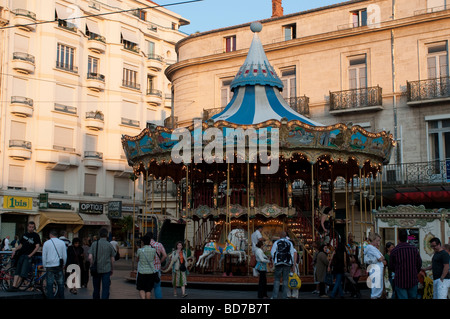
<point x="75" y="77"/>
<point x="379" y="64"/>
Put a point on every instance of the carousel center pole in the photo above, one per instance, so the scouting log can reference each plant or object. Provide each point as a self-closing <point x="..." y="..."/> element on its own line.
<point x="360" y="206"/>
<point x="312" y="202"/>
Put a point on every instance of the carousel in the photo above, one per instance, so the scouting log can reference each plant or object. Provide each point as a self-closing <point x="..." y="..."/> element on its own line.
<point x="259" y="162"/>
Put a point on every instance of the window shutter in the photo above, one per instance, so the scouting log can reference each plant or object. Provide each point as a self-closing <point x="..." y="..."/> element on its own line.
<point x="16" y="174"/>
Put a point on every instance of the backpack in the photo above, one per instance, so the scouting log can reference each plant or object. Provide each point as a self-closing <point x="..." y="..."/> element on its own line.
<point x="283" y="253"/>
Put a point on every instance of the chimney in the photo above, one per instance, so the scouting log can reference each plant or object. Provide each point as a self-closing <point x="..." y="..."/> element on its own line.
<point x="277" y="8"/>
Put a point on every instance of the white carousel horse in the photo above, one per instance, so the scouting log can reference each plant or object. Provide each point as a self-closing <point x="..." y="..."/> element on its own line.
<point x="235" y="245"/>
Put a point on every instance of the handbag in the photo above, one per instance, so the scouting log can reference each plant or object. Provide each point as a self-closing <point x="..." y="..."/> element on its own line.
<point x="294" y="281"/>
<point x="93" y="267"/>
<point x="183" y="267"/>
<point x="253" y="261"/>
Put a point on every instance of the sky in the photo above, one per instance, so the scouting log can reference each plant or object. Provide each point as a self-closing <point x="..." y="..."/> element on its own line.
<point x="208" y="15"/>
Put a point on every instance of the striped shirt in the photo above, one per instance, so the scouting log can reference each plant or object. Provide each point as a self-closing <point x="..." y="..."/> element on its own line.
<point x="159" y="252"/>
<point x="405" y="263"/>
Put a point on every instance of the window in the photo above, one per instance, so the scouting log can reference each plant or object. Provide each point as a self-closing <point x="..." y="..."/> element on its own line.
<point x="150" y="49"/>
<point x="129" y="40"/>
<point x="225" y="93"/>
<point x="140" y="14"/>
<point x="359" y="18"/>
<point x="437" y="60"/>
<point x="230" y="44"/>
<point x="130" y="77"/>
<point x="16" y="174"/>
<point x="90" y="185"/>
<point x="18" y="131"/>
<point x="357" y="72"/>
<point x="121" y="187"/>
<point x="438" y="142"/>
<point x="65" y="58"/>
<point x="54" y="181"/>
<point x="91" y="143"/>
<point x="150" y="83"/>
<point x="63" y="15"/>
<point x="290" y="32"/>
<point x="21" y="43"/>
<point x="63" y="138"/>
<point x="93" y="65"/>
<point x="289" y="79"/>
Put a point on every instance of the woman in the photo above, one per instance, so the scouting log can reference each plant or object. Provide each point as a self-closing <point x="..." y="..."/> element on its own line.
<point x="321" y="270"/>
<point x="339" y="262"/>
<point x="261" y="266"/>
<point x="75" y="255"/>
<point x="147" y="275"/>
<point x="85" y="269"/>
<point x="179" y="269"/>
<point x="376" y="261"/>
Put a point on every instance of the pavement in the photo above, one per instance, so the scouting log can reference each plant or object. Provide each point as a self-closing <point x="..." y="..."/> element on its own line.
<point x="125" y="289"/>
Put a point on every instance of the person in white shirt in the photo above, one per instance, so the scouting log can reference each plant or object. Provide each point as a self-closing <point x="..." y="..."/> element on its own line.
<point x="6" y="242"/>
<point x="54" y="257"/>
<point x="256" y="237"/>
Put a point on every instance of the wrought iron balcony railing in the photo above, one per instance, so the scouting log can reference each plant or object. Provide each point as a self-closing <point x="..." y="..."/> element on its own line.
<point x="434" y="172"/>
<point x="131" y="85"/>
<point x="96" y="76"/>
<point x="65" y="108"/>
<point x="25" y="13"/>
<point x="22" y="100"/>
<point x="96" y="37"/>
<point x="97" y="115"/>
<point x="299" y="104"/>
<point x="93" y="154"/>
<point x="356" y="98"/>
<point x="130" y="122"/>
<point x="67" y="25"/>
<point x="66" y="67"/>
<point x="431" y="89"/>
<point x="155" y="57"/>
<point x="20" y="144"/>
<point x="157" y="93"/>
<point x="23" y="56"/>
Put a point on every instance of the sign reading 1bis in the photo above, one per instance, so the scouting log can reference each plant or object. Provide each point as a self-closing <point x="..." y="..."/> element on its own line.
<point x="15" y="202"/>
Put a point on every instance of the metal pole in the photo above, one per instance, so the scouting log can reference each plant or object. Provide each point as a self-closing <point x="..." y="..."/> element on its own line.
<point x="360" y="207"/>
<point x="227" y="218"/>
<point x="312" y="202"/>
<point x="353" y="207"/>
<point x="248" y="218"/>
<point x="346" y="207"/>
<point x="134" y="221"/>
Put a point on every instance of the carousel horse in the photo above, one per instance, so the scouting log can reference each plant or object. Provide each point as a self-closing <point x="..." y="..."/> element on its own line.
<point x="234" y="245"/>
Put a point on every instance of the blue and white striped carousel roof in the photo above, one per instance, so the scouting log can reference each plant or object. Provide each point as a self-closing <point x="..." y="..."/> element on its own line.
<point x="256" y="88"/>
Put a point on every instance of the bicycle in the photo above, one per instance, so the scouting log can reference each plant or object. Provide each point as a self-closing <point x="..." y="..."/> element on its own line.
<point x="35" y="281"/>
<point x="6" y="277"/>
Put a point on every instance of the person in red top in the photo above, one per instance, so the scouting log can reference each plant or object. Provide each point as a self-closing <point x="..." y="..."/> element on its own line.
<point x="405" y="264"/>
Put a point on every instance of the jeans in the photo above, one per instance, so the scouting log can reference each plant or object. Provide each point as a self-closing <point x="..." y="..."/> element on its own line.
<point x="55" y="274"/>
<point x="281" y="272"/>
<point x="105" y="281"/>
<point x="406" y="293"/>
<point x="157" y="288"/>
<point x="262" y="284"/>
<point x="338" y="285"/>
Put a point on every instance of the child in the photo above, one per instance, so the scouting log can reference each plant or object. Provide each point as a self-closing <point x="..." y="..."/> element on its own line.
<point x="355" y="273"/>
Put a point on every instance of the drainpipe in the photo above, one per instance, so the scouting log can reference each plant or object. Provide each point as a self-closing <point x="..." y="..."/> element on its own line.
<point x="397" y="150"/>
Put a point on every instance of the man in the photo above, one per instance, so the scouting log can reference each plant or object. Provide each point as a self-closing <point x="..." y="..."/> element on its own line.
<point x="53" y="251"/>
<point x="405" y="263"/>
<point x="115" y="244"/>
<point x="161" y="255"/>
<point x="28" y="246"/>
<point x="283" y="259"/>
<point x="440" y="267"/>
<point x="6" y="244"/>
<point x="256" y="237"/>
<point x="64" y="238"/>
<point x="102" y="252"/>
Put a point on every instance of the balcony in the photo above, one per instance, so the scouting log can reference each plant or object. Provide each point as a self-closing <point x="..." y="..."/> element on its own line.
<point x="414" y="174"/>
<point x="66" y="67"/>
<point x="24" y="19"/>
<point x="21" y="106"/>
<point x="299" y="104"/>
<point x="428" y="91"/>
<point x="131" y="47"/>
<point x="129" y="122"/>
<point x="23" y="62"/>
<point x="153" y="97"/>
<point x="64" y="24"/>
<point x="93" y="159"/>
<point x="169" y="123"/>
<point x="131" y="85"/>
<point x="95" y="81"/>
<point x="58" y="157"/>
<point x="96" y="43"/>
<point x="155" y="62"/>
<point x="208" y="113"/>
<point x="65" y="109"/>
<point x="356" y="100"/>
<point x="95" y="120"/>
<point x="20" y="150"/>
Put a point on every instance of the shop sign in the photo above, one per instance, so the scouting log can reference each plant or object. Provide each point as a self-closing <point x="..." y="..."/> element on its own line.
<point x="115" y="209"/>
<point x="16" y="202"/>
<point x="91" y="208"/>
<point x="43" y="200"/>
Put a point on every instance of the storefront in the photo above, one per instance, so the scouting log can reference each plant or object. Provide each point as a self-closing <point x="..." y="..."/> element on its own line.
<point x="421" y="224"/>
<point x="94" y="218"/>
<point x="15" y="213"/>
